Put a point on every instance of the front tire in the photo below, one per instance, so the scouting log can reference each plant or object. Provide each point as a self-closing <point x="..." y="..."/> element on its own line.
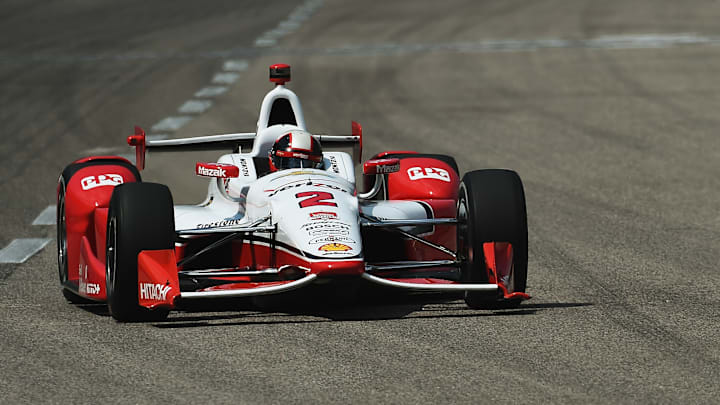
<point x="491" y="208"/>
<point x="140" y="218"/>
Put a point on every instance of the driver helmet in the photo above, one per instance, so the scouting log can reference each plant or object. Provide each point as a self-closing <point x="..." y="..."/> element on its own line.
<point x="296" y="149"/>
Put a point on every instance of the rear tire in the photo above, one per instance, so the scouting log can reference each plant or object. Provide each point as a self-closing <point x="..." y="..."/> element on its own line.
<point x="61" y="234"/>
<point x="140" y="218"/>
<point x="491" y="207"/>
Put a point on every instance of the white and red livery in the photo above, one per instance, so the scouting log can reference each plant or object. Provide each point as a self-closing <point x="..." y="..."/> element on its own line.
<point x="413" y="224"/>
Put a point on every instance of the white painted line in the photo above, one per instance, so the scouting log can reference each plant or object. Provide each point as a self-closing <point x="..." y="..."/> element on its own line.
<point x="274" y="33"/>
<point x="100" y="150"/>
<point x="289" y="26"/>
<point x="236" y="65"/>
<point x="156" y="137"/>
<point x="47" y="216"/>
<point x="171" y="123"/>
<point x="211" y="91"/>
<point x="645" y="41"/>
<point x="20" y="250"/>
<point x="225" y="78"/>
<point x="262" y="42"/>
<point x="195" y="106"/>
<point x="639" y="41"/>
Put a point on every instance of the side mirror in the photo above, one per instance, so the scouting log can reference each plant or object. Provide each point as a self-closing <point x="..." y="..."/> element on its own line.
<point x="381" y="166"/>
<point x="219" y="170"/>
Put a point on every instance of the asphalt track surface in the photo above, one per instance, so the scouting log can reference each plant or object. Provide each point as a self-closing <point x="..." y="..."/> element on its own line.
<point x="618" y="148"/>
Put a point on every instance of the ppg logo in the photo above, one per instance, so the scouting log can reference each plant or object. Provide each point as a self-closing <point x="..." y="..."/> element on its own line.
<point x="417" y="173"/>
<point x="91" y="182"/>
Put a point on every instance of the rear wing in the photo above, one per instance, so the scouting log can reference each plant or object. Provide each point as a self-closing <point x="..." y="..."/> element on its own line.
<point x="229" y="142"/>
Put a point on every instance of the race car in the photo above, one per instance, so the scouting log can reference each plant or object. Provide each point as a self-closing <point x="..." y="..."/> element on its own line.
<point x="282" y="214"/>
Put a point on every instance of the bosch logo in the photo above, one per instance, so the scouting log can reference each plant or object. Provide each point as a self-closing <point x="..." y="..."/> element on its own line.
<point x="100" y="180"/>
<point x="435" y="173"/>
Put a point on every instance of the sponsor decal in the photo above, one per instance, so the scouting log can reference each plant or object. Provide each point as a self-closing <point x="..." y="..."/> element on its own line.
<point x="323" y="215"/>
<point x="204" y="171"/>
<point x="92" y="288"/>
<point x="227" y="222"/>
<point x="328" y="232"/>
<point x="301" y="172"/>
<point x="87" y="288"/>
<point x="334" y="247"/>
<point x="387" y="169"/>
<point x="304" y="183"/>
<point x="326" y="228"/>
<point x="315" y="198"/>
<point x="108" y="179"/>
<point x="333" y="164"/>
<point x="219" y="170"/>
<point x="325" y="225"/>
<point x="155" y="292"/>
<point x="330" y="239"/>
<point x="244" y="168"/>
<point x="435" y="173"/>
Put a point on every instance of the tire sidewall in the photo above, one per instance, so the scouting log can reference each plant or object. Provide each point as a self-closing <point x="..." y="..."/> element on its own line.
<point x="494" y="200"/>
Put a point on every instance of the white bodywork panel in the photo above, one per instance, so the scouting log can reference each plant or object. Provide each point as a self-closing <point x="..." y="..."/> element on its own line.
<point x="316" y="211"/>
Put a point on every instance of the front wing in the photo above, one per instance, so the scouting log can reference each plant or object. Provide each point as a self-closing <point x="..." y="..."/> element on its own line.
<point x="160" y="274"/>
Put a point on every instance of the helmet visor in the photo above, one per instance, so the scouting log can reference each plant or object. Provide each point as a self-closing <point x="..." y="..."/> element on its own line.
<point x="295" y="163"/>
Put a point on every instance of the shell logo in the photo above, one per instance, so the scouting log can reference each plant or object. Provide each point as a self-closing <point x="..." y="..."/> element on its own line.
<point x="334" y="247"/>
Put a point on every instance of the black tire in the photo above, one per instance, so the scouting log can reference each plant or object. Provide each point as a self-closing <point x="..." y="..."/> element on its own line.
<point x="73" y="298"/>
<point x="491" y="207"/>
<point x="61" y="234"/>
<point x="140" y="218"/>
<point x="69" y="291"/>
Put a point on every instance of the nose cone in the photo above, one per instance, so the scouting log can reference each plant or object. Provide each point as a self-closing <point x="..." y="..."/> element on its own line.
<point x="317" y="216"/>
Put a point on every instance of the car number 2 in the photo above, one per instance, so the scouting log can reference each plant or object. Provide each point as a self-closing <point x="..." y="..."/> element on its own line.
<point x="315" y="198"/>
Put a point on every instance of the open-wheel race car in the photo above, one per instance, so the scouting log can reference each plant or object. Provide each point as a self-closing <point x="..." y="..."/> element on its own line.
<point x="282" y="214"/>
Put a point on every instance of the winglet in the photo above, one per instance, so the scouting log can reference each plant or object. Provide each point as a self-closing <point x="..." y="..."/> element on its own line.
<point x="138" y="141"/>
<point x="357" y="150"/>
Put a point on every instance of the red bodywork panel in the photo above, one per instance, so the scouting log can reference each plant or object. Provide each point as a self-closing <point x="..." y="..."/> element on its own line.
<point x="90" y="273"/>
<point x="100" y="222"/>
<point x="261" y="256"/>
<point x="158" y="284"/>
<point x="423" y="179"/>
<point x="138" y="141"/>
<point x="87" y="197"/>
<point x="95" y="158"/>
<point x="499" y="261"/>
<point x="338" y="268"/>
